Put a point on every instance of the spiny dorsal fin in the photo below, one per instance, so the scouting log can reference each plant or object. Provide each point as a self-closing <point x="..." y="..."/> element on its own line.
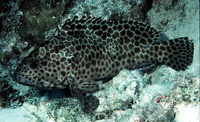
<point x="121" y="30"/>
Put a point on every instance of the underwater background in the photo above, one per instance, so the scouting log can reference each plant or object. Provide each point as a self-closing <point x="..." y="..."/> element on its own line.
<point x="161" y="95"/>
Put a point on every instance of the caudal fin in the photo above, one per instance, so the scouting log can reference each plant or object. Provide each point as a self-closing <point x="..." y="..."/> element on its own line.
<point x="176" y="53"/>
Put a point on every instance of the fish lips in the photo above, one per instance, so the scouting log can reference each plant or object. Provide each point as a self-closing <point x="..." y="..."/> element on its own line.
<point x="19" y="79"/>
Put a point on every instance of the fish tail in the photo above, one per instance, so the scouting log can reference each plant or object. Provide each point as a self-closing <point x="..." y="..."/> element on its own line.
<point x="176" y="53"/>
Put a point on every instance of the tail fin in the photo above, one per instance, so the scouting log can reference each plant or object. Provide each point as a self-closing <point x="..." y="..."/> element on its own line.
<point x="176" y="53"/>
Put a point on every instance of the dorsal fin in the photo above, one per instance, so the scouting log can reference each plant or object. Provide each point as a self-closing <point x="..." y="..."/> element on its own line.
<point x="122" y="30"/>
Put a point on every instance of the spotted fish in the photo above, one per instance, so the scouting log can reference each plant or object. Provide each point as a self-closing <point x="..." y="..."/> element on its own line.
<point x="88" y="49"/>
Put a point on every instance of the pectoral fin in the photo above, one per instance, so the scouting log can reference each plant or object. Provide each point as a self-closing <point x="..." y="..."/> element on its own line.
<point x="89" y="86"/>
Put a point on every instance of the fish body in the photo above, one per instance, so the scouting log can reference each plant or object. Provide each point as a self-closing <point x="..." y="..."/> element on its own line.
<point x="90" y="49"/>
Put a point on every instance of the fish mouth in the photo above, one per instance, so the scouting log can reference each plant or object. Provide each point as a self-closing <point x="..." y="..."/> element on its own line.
<point x="15" y="78"/>
<point x="19" y="79"/>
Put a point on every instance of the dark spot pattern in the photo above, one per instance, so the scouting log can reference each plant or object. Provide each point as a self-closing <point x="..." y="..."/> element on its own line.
<point x="91" y="48"/>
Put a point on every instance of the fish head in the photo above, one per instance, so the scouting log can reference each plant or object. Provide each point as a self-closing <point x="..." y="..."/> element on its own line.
<point x="28" y="71"/>
<point x="38" y="69"/>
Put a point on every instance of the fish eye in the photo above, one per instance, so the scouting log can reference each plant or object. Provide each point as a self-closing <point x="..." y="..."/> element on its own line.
<point x="33" y="64"/>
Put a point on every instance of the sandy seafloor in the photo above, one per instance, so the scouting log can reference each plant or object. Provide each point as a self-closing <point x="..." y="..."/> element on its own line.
<point x="129" y="96"/>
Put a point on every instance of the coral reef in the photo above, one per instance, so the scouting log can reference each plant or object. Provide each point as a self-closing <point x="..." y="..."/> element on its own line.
<point x="38" y="17"/>
<point x="162" y="95"/>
